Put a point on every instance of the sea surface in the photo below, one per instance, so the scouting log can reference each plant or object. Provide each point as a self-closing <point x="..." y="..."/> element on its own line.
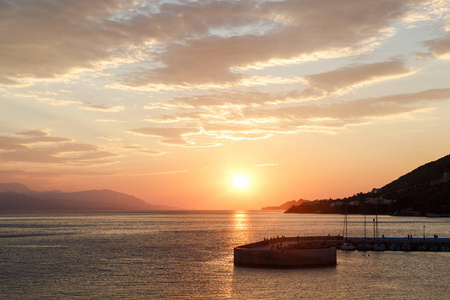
<point x="189" y="255"/>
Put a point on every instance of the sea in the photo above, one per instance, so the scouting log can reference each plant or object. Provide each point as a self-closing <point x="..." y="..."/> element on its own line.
<point x="189" y="255"/>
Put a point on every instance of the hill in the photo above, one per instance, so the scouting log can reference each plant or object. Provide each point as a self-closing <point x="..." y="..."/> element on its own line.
<point x="285" y="205"/>
<point x="15" y="196"/>
<point x="423" y="191"/>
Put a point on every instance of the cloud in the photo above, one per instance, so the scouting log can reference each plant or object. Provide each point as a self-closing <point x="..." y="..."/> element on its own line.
<point x="34" y="133"/>
<point x="319" y="86"/>
<point x="440" y="48"/>
<point x="47" y="99"/>
<point x="298" y="29"/>
<point x="168" y="172"/>
<point x="186" y="43"/>
<point x="153" y="152"/>
<point x="358" y="75"/>
<point x="138" y="148"/>
<point x="45" y="39"/>
<point x="38" y="146"/>
<point x="257" y="115"/>
<point x="22" y="140"/>
<point x="169" y="135"/>
<point x="322" y="116"/>
<point x="225" y="100"/>
<point x="40" y="174"/>
<point x="266" y="165"/>
<point x="109" y="121"/>
<point x="101" y="107"/>
<point x="82" y="105"/>
<point x="351" y="112"/>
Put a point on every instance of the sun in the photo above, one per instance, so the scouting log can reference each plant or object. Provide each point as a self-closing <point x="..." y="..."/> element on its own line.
<point x="240" y="181"/>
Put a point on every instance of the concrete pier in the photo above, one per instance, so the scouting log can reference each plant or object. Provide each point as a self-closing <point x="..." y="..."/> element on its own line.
<point x="314" y="251"/>
<point x="286" y="252"/>
<point x="401" y="244"/>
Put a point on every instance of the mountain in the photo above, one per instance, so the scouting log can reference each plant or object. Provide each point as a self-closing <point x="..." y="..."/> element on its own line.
<point x="423" y="191"/>
<point x="15" y="196"/>
<point x="285" y="205"/>
<point x="15" y="188"/>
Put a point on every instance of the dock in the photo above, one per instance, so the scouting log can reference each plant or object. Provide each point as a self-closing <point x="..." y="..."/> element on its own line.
<point x="314" y="251"/>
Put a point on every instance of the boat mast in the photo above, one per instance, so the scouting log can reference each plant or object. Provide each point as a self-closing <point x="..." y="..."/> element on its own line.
<point x="376" y="217"/>
<point x="345" y="222"/>
<point x="365" y="220"/>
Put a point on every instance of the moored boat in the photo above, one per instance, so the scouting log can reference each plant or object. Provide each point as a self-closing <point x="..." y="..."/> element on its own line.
<point x="348" y="247"/>
<point x="379" y="247"/>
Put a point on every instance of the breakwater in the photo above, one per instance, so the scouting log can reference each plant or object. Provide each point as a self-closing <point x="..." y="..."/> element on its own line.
<point x="397" y="244"/>
<point x="312" y="251"/>
<point x="278" y="254"/>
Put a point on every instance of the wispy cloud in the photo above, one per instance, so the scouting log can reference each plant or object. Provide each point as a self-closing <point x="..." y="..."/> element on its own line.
<point x="358" y="75"/>
<point x="101" y="107"/>
<point x="266" y="165"/>
<point x="39" y="146"/>
<point x="169" y="135"/>
<point x="318" y="86"/>
<point x="264" y="121"/>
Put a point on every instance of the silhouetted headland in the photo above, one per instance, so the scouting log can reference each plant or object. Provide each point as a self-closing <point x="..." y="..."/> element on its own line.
<point x="423" y="192"/>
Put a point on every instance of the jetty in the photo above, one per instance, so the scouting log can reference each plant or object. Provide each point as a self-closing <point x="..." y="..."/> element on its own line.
<point x="315" y="251"/>
<point x="286" y="252"/>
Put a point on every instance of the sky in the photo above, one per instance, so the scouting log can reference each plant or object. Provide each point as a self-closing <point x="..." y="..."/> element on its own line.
<point x="171" y="100"/>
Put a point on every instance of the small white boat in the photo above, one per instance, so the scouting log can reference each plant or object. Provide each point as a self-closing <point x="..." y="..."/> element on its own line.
<point x="348" y="247"/>
<point x="379" y="247"/>
<point x="394" y="247"/>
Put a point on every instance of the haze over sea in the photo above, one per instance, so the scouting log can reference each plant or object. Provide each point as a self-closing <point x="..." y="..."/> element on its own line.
<point x="189" y="255"/>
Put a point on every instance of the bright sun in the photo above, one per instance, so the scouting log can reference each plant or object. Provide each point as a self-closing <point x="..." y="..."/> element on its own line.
<point x="240" y="181"/>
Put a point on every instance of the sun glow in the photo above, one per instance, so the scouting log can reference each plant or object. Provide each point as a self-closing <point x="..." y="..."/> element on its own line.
<point x="240" y="181"/>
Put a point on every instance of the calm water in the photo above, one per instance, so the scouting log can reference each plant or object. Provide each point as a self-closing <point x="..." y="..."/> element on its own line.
<point x="189" y="255"/>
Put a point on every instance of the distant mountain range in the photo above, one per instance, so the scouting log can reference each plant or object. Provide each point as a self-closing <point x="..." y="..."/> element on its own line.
<point x="18" y="197"/>
<point x="424" y="191"/>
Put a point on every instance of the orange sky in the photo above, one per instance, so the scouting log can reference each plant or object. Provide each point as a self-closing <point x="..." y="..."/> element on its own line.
<point x="165" y="101"/>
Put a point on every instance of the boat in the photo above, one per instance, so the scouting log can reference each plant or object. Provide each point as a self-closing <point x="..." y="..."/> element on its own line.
<point x="379" y="247"/>
<point x="348" y="247"/>
<point x="406" y="247"/>
<point x="394" y="247"/>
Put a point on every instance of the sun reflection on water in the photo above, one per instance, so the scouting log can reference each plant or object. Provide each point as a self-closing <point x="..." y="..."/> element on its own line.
<point x="241" y="229"/>
<point x="240" y="220"/>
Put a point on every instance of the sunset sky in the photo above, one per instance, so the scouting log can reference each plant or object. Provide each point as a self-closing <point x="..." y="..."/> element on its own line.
<point x="170" y="100"/>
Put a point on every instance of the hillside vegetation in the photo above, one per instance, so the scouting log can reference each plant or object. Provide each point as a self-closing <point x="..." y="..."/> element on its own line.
<point x="423" y="191"/>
